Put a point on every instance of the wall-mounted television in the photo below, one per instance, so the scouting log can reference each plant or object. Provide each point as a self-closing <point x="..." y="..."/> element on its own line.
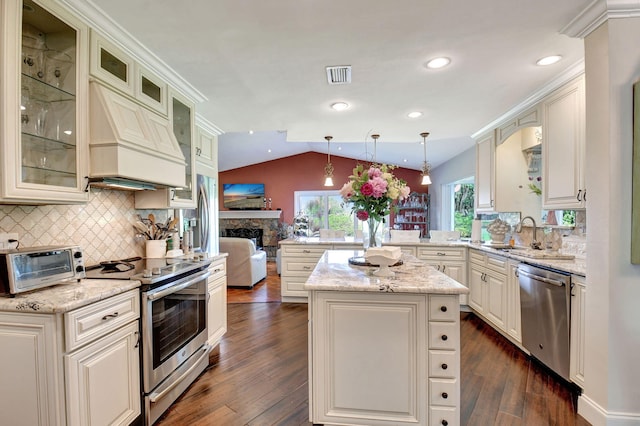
<point x="243" y="196"/>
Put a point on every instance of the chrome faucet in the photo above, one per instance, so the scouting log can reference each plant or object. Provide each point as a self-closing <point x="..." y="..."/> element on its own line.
<point x="535" y="244"/>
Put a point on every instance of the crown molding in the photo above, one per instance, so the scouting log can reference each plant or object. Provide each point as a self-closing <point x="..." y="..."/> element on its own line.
<point x="207" y="125"/>
<point x="98" y="20"/>
<point x="597" y="13"/>
<point x="569" y="74"/>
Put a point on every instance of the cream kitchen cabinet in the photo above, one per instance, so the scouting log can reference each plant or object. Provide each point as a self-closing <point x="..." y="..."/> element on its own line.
<point x="513" y="322"/>
<point x="450" y="260"/>
<point x="43" y="99"/>
<point x="578" y="320"/>
<point x="77" y="368"/>
<point x="485" y="172"/>
<point x="488" y="286"/>
<point x="206" y="149"/>
<point x="217" y="305"/>
<point x="563" y="135"/>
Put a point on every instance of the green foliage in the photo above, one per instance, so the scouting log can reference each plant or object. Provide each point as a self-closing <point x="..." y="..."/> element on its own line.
<point x="462" y="223"/>
<point x="463" y="213"/>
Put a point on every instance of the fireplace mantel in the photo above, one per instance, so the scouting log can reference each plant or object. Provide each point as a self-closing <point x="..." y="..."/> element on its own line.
<point x="249" y="214"/>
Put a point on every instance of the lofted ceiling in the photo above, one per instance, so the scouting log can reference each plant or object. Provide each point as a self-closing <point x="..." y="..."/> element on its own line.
<point x="261" y="66"/>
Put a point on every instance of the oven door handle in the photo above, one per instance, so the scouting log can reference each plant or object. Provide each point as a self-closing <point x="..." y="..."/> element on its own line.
<point x="179" y="285"/>
<point x="551" y="281"/>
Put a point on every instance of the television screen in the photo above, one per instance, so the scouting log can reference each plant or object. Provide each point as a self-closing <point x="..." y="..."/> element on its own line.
<point x="243" y="196"/>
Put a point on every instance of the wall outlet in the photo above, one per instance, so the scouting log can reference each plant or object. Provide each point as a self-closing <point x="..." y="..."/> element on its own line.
<point x="4" y="240"/>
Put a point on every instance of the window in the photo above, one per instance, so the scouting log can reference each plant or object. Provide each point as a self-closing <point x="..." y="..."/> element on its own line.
<point x="325" y="210"/>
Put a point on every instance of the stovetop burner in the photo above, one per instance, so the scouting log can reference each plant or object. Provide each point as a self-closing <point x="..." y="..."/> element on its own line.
<point x="147" y="270"/>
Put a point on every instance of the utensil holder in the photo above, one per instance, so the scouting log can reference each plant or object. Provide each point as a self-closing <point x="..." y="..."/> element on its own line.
<point x="156" y="248"/>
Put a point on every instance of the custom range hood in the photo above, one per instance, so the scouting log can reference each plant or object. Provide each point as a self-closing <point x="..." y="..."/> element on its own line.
<point x="131" y="144"/>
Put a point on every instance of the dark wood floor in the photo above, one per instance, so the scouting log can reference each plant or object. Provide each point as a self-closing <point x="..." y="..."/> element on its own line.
<point x="258" y="376"/>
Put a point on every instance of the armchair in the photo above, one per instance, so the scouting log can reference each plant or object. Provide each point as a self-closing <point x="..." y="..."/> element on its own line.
<point x="246" y="266"/>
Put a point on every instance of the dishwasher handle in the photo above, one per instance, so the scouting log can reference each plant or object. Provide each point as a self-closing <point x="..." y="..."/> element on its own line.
<point x="545" y="280"/>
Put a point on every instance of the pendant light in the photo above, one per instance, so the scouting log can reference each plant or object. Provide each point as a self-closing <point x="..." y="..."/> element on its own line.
<point x="328" y="169"/>
<point x="426" y="168"/>
<point x="375" y="140"/>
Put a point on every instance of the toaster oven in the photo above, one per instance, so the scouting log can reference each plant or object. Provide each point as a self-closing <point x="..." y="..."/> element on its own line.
<point x="30" y="268"/>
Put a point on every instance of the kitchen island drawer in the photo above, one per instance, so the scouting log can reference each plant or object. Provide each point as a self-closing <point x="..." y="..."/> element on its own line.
<point x="304" y="250"/>
<point x="218" y="269"/>
<point x="442" y="253"/>
<point x="444" y="308"/>
<point x="439" y="416"/>
<point x="443" y="392"/>
<point x="443" y="364"/>
<point x="444" y="335"/>
<point x="90" y="322"/>
<point x="298" y="267"/>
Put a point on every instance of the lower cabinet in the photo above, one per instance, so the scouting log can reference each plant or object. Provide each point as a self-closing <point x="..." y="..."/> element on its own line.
<point x="217" y="306"/>
<point x="513" y="318"/>
<point x="488" y="286"/>
<point x="384" y="358"/>
<point x="77" y="368"/>
<point x="452" y="261"/>
<point x="578" y="318"/>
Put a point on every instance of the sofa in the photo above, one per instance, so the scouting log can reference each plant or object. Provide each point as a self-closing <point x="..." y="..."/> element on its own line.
<point x="246" y="265"/>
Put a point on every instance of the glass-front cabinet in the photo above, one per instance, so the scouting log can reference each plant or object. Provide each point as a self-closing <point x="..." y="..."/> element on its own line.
<point x="183" y="120"/>
<point x="44" y="111"/>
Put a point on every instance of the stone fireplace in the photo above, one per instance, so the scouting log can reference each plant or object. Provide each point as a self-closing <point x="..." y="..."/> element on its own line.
<point x="259" y="224"/>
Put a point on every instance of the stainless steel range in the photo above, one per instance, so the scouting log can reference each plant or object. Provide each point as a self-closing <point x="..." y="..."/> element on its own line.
<point x="173" y="323"/>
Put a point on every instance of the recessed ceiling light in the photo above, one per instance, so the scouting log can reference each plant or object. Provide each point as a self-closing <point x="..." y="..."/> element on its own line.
<point x="438" y="63"/>
<point x="340" y="106"/>
<point x="269" y="150"/>
<point x="414" y="114"/>
<point x="250" y="132"/>
<point x="548" y="60"/>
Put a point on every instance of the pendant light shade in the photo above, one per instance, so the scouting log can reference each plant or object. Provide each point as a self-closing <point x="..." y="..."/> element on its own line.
<point x="426" y="167"/>
<point x="328" y="169"/>
<point x="375" y="141"/>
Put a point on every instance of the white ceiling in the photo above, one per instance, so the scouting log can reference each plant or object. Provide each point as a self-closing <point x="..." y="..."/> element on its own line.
<point x="261" y="64"/>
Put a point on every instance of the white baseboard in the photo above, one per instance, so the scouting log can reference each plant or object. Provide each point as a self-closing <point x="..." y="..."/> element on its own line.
<point x="597" y="416"/>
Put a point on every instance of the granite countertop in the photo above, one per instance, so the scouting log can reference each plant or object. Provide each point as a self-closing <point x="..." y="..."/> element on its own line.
<point x="65" y="297"/>
<point x="334" y="273"/>
<point x="317" y="240"/>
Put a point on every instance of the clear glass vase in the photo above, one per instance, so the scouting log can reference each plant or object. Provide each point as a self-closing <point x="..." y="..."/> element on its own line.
<point x="370" y="235"/>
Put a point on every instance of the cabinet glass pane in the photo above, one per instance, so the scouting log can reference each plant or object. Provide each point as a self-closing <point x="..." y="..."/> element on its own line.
<point x="113" y="65"/>
<point x="182" y="131"/>
<point x="47" y="99"/>
<point x="151" y="89"/>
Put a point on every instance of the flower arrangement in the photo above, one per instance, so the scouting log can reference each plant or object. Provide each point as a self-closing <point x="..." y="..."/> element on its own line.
<point x="372" y="190"/>
<point x="535" y="189"/>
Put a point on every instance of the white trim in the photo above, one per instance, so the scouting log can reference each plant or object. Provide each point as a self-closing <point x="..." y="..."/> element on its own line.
<point x="249" y="214"/>
<point x="569" y="74"/>
<point x="207" y="125"/>
<point x="596" y="415"/>
<point x="597" y="13"/>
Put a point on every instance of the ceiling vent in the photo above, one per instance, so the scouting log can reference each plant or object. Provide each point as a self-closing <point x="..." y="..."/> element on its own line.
<point x="339" y="74"/>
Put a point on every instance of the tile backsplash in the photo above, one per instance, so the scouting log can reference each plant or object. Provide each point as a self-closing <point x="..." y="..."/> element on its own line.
<point x="103" y="227"/>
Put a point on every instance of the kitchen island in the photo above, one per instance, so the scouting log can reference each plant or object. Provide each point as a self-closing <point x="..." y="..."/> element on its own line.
<point x="383" y="350"/>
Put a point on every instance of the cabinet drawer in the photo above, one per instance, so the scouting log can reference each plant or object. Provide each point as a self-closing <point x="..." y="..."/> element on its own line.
<point x="216" y="282"/>
<point x="444" y="308"/>
<point x="497" y="263"/>
<point x="439" y="416"/>
<point x="443" y="335"/>
<point x="477" y="257"/>
<point x="218" y="269"/>
<point x="293" y="286"/>
<point x="442" y="253"/>
<point x="443" y="392"/>
<point x="304" y="250"/>
<point x="90" y="322"/>
<point x="443" y="364"/>
<point x="298" y="267"/>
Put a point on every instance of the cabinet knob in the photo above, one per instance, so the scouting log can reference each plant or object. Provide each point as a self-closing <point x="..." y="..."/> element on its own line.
<point x="445" y="395"/>
<point x="444" y="366"/>
<point x="444" y="423"/>
<point x="443" y="308"/>
<point x="444" y="337"/>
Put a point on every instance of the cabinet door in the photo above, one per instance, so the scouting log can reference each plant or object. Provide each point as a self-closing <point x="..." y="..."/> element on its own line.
<point x="103" y="380"/>
<point x="43" y="142"/>
<point x="31" y="389"/>
<point x="457" y="271"/>
<point x="496" y="298"/>
<point x="217" y="310"/>
<point x="206" y="147"/>
<point x="485" y="173"/>
<point x="563" y="148"/>
<point x="578" y="317"/>
<point x="513" y="323"/>
<point x="183" y="120"/>
<point x="476" y="288"/>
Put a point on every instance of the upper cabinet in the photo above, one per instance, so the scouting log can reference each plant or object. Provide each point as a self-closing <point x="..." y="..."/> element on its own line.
<point x="485" y="172"/>
<point x="563" y="133"/>
<point x="43" y="99"/>
<point x="206" y="148"/>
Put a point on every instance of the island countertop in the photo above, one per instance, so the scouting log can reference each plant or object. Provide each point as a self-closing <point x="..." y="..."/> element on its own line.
<point x="333" y="272"/>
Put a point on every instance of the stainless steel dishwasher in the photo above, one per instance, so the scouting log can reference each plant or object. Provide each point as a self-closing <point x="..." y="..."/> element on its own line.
<point x="545" y="302"/>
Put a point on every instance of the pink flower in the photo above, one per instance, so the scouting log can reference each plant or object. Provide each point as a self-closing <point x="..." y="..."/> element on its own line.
<point x="347" y="190"/>
<point x="374" y="172"/>
<point x="404" y="192"/>
<point x="367" y="189"/>
<point x="362" y="215"/>
<point x="379" y="186"/>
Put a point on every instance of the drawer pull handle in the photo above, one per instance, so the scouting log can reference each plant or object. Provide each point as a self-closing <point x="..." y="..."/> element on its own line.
<point x="444" y="423"/>
<point x="306" y="251"/>
<point x="215" y="271"/>
<point x="306" y="267"/>
<point x="445" y="395"/>
<point x="441" y="253"/>
<point x="109" y="316"/>
<point x="444" y="366"/>
<point x="444" y="337"/>
<point x="443" y="308"/>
